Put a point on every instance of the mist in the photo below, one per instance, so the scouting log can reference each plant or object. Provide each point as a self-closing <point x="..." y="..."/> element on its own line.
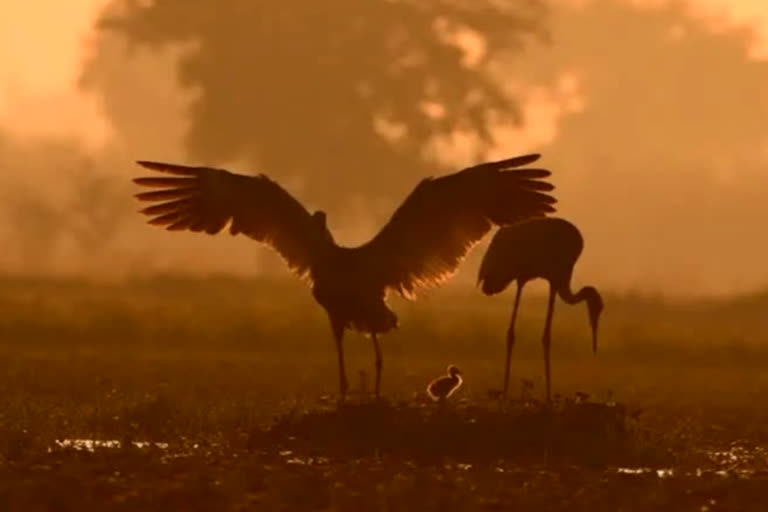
<point x="656" y="135"/>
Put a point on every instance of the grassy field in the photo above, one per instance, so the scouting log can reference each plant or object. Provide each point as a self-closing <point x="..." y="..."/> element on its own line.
<point x="235" y="378"/>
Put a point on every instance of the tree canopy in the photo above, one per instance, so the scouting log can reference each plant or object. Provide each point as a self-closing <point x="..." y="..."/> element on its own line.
<point x="342" y="94"/>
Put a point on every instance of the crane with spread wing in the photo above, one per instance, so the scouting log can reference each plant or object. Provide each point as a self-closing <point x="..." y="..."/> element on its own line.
<point x="421" y="246"/>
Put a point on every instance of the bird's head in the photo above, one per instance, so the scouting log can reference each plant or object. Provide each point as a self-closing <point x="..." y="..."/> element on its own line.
<point x="491" y="276"/>
<point x="490" y="285"/>
<point x="319" y="220"/>
<point x="453" y="370"/>
<point x="595" y="308"/>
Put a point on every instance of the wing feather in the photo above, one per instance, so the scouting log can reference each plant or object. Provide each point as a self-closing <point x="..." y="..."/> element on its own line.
<point x="205" y="199"/>
<point x="443" y="218"/>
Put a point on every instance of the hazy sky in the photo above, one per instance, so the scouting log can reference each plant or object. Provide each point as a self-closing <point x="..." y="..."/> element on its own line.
<point x="43" y="44"/>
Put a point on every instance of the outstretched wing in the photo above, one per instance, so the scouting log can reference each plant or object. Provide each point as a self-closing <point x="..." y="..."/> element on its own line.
<point x="206" y="199"/>
<point x="431" y="233"/>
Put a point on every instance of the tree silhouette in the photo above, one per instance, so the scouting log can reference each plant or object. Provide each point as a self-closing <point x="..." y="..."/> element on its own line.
<point x="59" y="195"/>
<point x="342" y="94"/>
<point x="674" y="102"/>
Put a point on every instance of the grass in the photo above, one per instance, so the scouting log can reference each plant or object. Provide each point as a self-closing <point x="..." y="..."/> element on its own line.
<point x="238" y="377"/>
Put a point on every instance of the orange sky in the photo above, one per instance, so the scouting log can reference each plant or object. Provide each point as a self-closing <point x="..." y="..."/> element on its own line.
<point x="42" y="45"/>
<point x="44" y="42"/>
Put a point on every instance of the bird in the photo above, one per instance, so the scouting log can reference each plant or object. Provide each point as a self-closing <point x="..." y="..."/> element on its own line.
<point x="545" y="247"/>
<point x="443" y="387"/>
<point x="420" y="247"/>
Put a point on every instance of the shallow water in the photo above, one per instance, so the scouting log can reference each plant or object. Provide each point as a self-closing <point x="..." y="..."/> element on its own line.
<point x="91" y="445"/>
<point x="736" y="462"/>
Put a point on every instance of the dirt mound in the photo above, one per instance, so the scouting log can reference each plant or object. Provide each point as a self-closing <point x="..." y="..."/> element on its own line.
<point x="584" y="432"/>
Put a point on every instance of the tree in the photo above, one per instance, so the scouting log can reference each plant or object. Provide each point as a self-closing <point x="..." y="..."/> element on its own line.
<point x="342" y="95"/>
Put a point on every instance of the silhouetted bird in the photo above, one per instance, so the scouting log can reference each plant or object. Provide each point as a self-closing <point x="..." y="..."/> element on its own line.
<point x="546" y="248"/>
<point x="422" y="244"/>
<point x="443" y="387"/>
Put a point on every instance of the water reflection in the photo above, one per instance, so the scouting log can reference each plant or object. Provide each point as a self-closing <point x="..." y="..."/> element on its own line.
<point x="738" y="461"/>
<point x="698" y="472"/>
<point x="91" y="445"/>
<point x="290" y="458"/>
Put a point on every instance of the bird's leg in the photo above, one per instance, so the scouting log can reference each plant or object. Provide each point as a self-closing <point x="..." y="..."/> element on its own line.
<point x="511" y="337"/>
<point x="338" y="336"/>
<point x="377" y="349"/>
<point x="546" y="339"/>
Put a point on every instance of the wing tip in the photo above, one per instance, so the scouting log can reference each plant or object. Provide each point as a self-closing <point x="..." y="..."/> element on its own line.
<point x="142" y="196"/>
<point x="178" y="169"/>
<point x="521" y="160"/>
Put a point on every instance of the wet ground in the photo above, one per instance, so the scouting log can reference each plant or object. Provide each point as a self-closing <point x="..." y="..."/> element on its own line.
<point x="294" y="464"/>
<point x="736" y="462"/>
<point x="158" y="479"/>
<point x="178" y="394"/>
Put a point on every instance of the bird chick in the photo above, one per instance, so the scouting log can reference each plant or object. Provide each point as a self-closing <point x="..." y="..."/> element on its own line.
<point x="443" y="387"/>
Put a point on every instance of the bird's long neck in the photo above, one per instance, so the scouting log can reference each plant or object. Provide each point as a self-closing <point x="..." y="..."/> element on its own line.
<point x="567" y="294"/>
